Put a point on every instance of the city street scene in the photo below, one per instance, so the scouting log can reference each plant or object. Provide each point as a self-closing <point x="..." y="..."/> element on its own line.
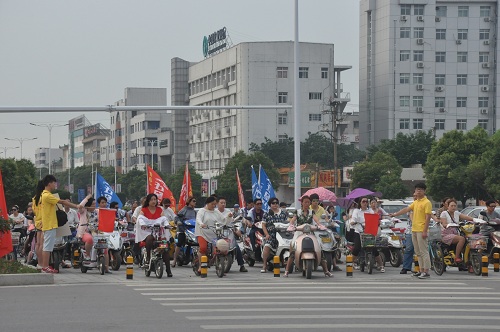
<point x="267" y="165"/>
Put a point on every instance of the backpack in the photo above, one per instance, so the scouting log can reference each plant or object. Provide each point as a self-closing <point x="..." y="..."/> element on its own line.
<point x="62" y="217"/>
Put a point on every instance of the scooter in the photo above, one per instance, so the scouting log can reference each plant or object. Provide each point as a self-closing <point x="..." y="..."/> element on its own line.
<point x="251" y="256"/>
<point x="491" y="229"/>
<point x="394" y="249"/>
<point x="97" y="259"/>
<point x="327" y="241"/>
<point x="160" y="247"/>
<point x="57" y="254"/>
<point x="184" y="256"/>
<point x="307" y="250"/>
<point x="128" y="240"/>
<point x="115" y="244"/>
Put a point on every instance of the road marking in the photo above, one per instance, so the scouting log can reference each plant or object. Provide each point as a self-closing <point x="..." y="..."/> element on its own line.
<point x="315" y="297"/>
<point x="350" y="326"/>
<point x="342" y="308"/>
<point x="280" y="282"/>
<point x="306" y="291"/>
<point x="330" y="316"/>
<point x="404" y="287"/>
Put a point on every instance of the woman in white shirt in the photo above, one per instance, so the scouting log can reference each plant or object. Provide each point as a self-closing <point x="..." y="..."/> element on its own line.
<point x="449" y="233"/>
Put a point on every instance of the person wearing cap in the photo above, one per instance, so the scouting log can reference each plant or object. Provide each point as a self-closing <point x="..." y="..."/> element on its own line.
<point x="236" y="210"/>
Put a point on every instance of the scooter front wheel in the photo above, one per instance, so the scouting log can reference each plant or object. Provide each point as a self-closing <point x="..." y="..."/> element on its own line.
<point x="84" y="269"/>
<point x="370" y="261"/>
<point x="117" y="260"/>
<point x="159" y="269"/>
<point x="475" y="261"/>
<point x="396" y="257"/>
<point x="220" y="265"/>
<point x="309" y="268"/>
<point x="101" y="265"/>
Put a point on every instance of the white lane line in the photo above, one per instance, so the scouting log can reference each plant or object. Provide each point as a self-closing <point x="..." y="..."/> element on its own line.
<point x="283" y="282"/>
<point x="351" y="326"/>
<point x="316" y="297"/>
<point x="216" y="293"/>
<point x="405" y="287"/>
<point x="245" y="304"/>
<point x="357" y="317"/>
<point x="411" y="308"/>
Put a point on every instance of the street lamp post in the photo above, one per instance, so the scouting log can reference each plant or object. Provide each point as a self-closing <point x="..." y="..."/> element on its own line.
<point x="152" y="143"/>
<point x="21" y="141"/>
<point x="49" y="127"/>
<point x="5" y="148"/>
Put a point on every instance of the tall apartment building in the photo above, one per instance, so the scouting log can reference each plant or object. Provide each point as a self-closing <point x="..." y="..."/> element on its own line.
<point x="254" y="73"/>
<point x="427" y="65"/>
<point x="42" y="157"/>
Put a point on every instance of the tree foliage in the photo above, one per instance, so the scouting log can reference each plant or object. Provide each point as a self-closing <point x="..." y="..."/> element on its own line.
<point x="407" y="149"/>
<point x="227" y="185"/>
<point x="381" y="172"/>
<point x="19" y="179"/>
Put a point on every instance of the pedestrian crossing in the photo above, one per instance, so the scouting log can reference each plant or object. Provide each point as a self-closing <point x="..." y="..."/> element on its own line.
<point x="298" y="305"/>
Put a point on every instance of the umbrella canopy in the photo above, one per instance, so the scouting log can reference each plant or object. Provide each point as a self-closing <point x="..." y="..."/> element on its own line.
<point x="323" y="193"/>
<point x="356" y="193"/>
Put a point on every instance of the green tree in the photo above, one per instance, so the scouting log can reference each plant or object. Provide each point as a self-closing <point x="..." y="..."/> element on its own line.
<point x="227" y="185"/>
<point x="19" y="179"/>
<point x="447" y="163"/>
<point x="407" y="149"/>
<point x="381" y="172"/>
<point x="281" y="153"/>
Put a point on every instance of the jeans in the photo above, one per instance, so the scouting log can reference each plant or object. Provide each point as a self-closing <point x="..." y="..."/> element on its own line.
<point x="239" y="256"/>
<point x="409" y="252"/>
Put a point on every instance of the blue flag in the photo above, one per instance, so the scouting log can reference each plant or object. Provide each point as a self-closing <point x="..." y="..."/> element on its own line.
<point x="255" y="186"/>
<point x="102" y="188"/>
<point x="266" y="189"/>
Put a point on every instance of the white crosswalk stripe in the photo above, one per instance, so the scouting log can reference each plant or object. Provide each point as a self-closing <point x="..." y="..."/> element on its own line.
<point x="359" y="305"/>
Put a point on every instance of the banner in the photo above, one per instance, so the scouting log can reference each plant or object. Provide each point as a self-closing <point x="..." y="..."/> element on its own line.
<point x="157" y="186"/>
<point x="204" y="187"/>
<point x="102" y="188"/>
<point x="241" y="197"/>
<point x="187" y="189"/>
<point x="5" y="238"/>
<point x="255" y="186"/>
<point x="266" y="189"/>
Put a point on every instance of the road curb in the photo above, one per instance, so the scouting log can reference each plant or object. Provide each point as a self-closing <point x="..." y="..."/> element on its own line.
<point x="26" y="279"/>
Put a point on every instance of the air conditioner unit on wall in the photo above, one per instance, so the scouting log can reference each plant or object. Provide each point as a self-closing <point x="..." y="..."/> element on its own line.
<point x="420" y="18"/>
<point x="458" y="41"/>
<point x="403" y="18"/>
<point x="439" y="88"/>
<point x="438" y="19"/>
<point x="486" y="65"/>
<point x="486" y="42"/>
<point x="484" y="111"/>
<point x="420" y="65"/>
<point x="485" y="89"/>
<point x="420" y="87"/>
<point x="486" y="19"/>
<point x="420" y="41"/>
<point x="419" y="109"/>
<point x="442" y="110"/>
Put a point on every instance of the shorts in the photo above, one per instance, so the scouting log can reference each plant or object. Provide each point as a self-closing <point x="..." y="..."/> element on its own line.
<point x="49" y="239"/>
<point x="181" y="240"/>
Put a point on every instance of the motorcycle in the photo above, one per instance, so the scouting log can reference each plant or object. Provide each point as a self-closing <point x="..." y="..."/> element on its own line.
<point x="160" y="246"/>
<point x="115" y="244"/>
<point x="251" y="256"/>
<point x="184" y="256"/>
<point x="394" y="250"/>
<point x="307" y="250"/>
<point x="491" y="229"/>
<point x="97" y="253"/>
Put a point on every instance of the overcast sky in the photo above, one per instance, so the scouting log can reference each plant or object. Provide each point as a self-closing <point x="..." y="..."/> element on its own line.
<point x="84" y="53"/>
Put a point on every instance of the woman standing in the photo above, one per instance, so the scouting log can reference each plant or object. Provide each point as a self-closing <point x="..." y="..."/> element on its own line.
<point x="274" y="215"/>
<point x="38" y="222"/>
<point x="304" y="216"/>
<point x="152" y="214"/>
<point x="449" y="221"/>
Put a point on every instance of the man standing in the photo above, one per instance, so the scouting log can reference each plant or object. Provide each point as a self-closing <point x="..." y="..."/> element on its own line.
<point x="221" y="205"/>
<point x="422" y="210"/>
<point x="48" y="207"/>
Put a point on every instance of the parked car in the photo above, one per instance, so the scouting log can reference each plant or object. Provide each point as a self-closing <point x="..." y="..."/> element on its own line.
<point x="391" y="206"/>
<point x="473" y="211"/>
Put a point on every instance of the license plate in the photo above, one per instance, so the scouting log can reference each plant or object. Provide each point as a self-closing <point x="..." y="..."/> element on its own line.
<point x="394" y="237"/>
<point x="326" y="240"/>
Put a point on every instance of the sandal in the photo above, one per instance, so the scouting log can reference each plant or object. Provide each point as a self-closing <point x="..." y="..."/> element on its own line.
<point x="263" y="271"/>
<point x="286" y="274"/>
<point x="381" y="269"/>
<point x="328" y="274"/>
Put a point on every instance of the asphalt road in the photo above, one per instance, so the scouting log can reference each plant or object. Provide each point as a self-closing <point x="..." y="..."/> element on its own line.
<point x="254" y="301"/>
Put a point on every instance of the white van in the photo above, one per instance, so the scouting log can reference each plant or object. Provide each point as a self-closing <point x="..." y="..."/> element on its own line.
<point x="392" y="206"/>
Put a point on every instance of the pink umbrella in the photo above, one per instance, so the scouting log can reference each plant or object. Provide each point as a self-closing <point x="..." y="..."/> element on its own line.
<point x="323" y="193"/>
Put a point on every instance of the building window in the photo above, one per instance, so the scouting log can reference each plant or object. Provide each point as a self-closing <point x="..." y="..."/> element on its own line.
<point x="282" y="138"/>
<point x="483" y="123"/>
<point x="282" y="97"/>
<point x="315" y="117"/>
<point x="314" y="95"/>
<point x="461" y="124"/>
<point x="418" y="123"/>
<point x="484" y="79"/>
<point x="404" y="101"/>
<point x="441" y="11"/>
<point x="439" y="124"/>
<point x="482" y="102"/>
<point x="462" y="79"/>
<point x="282" y="118"/>
<point x="418" y="55"/>
<point x="418" y="101"/>
<point x="484" y="34"/>
<point x="418" y="78"/>
<point x="324" y="72"/>
<point x="440" y="79"/>
<point x="404" y="55"/>
<point x="282" y="72"/>
<point x="404" y="123"/>
<point x="418" y="10"/>
<point x="461" y="101"/>
<point x="233" y="73"/>
<point x="439" y="102"/>
<point x="484" y="11"/>
<point x="440" y="34"/>
<point x="461" y="56"/>
<point x="440" y="56"/>
<point x="355" y="124"/>
<point x="463" y="11"/>
<point x="303" y="72"/>
<point x="462" y="34"/>
<point x="418" y="32"/>
<point x="404" y="32"/>
<point x="484" y="56"/>
<point x="405" y="9"/>
<point x="404" y="78"/>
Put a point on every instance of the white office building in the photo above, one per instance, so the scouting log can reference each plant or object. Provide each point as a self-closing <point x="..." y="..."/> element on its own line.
<point x="427" y="65"/>
<point x="253" y="73"/>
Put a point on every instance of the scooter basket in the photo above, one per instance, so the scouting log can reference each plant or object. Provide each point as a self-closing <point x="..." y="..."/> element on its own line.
<point x="478" y="242"/>
<point x="15" y="238"/>
<point x="367" y="240"/>
<point x="435" y="233"/>
<point x="381" y="242"/>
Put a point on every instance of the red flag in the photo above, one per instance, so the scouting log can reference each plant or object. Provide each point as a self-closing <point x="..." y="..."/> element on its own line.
<point x="241" y="197"/>
<point x="5" y="238"/>
<point x="157" y="186"/>
<point x="187" y="189"/>
<point x="107" y="220"/>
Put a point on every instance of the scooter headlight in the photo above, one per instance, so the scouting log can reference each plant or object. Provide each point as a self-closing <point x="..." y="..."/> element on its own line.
<point x="306" y="229"/>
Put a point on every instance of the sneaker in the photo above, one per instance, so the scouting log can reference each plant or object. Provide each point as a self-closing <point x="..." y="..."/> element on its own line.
<point x="424" y="275"/>
<point x="39" y="267"/>
<point x="381" y="269"/>
<point x="416" y="274"/>
<point x="49" y="270"/>
<point x="108" y="272"/>
<point x="243" y="269"/>
<point x="404" y="271"/>
<point x="355" y="266"/>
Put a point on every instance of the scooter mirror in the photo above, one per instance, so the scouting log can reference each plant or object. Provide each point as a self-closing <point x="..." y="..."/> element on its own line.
<point x="483" y="213"/>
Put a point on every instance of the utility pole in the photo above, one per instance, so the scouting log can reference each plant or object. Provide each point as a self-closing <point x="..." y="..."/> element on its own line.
<point x="21" y="141"/>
